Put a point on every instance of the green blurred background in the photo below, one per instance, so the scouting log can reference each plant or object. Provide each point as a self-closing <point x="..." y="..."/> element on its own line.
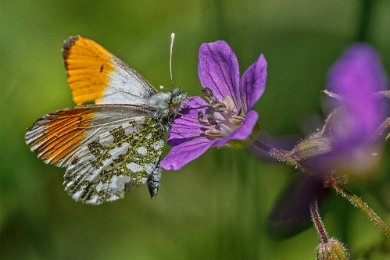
<point x="216" y="207"/>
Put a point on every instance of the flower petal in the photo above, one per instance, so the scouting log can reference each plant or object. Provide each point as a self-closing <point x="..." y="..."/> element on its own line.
<point x="219" y="71"/>
<point x="252" y="83"/>
<point x="185" y="152"/>
<point x="291" y="214"/>
<point x="356" y="76"/>
<point x="243" y="131"/>
<point x="187" y="126"/>
<point x="185" y="136"/>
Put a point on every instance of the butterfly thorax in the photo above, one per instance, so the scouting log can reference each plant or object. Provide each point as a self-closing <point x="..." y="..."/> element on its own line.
<point x="167" y="105"/>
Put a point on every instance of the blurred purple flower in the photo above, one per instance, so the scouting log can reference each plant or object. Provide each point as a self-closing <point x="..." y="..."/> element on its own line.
<point x="356" y="77"/>
<point x="353" y="126"/>
<point x="227" y="115"/>
<point x="350" y="138"/>
<point x="349" y="142"/>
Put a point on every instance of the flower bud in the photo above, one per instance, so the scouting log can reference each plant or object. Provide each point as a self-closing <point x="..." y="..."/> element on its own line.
<point x="332" y="250"/>
<point x="313" y="146"/>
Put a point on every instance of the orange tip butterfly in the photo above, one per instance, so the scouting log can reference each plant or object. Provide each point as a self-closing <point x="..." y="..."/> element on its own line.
<point x="117" y="141"/>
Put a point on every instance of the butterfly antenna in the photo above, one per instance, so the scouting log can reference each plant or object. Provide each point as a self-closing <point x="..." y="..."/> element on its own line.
<point x="170" y="57"/>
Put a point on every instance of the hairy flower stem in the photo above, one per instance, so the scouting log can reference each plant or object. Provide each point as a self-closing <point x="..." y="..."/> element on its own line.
<point x="284" y="156"/>
<point x="281" y="155"/>
<point x="359" y="203"/>
<point x="317" y="221"/>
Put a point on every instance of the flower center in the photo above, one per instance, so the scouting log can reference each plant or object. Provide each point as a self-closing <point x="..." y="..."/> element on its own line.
<point x="220" y="119"/>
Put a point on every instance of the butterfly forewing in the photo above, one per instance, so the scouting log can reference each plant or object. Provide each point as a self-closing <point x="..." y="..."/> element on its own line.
<point x="96" y="75"/>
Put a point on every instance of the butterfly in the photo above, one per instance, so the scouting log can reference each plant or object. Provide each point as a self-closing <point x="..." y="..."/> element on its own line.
<point x="114" y="137"/>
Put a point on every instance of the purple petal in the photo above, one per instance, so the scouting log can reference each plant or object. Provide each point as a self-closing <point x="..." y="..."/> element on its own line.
<point x="291" y="211"/>
<point x="187" y="126"/>
<point x="219" y="71"/>
<point x="185" y="136"/>
<point x="355" y="77"/>
<point x="252" y="83"/>
<point x="243" y="131"/>
<point x="185" y="152"/>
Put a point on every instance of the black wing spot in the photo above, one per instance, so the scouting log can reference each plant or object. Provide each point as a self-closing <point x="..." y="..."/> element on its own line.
<point x="101" y="68"/>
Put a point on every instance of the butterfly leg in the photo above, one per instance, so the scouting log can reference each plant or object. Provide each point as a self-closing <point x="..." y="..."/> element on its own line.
<point x="154" y="182"/>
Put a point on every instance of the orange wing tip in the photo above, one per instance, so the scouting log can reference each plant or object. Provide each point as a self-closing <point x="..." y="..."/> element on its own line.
<point x="55" y="136"/>
<point x="88" y="66"/>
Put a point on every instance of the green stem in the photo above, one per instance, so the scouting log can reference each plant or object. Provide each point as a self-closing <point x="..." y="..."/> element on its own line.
<point x="359" y="203"/>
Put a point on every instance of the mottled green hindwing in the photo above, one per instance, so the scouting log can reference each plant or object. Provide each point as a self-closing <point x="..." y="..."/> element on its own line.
<point x="109" y="163"/>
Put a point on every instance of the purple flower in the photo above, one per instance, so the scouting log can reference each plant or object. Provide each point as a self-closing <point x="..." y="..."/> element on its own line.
<point x="349" y="140"/>
<point x="355" y="78"/>
<point x="347" y="144"/>
<point x="353" y="126"/>
<point x="226" y="113"/>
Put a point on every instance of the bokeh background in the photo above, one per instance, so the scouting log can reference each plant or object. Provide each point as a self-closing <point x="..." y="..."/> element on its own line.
<point x="218" y="206"/>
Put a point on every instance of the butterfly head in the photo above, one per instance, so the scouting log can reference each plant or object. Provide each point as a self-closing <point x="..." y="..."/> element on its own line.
<point x="177" y="99"/>
<point x="175" y="104"/>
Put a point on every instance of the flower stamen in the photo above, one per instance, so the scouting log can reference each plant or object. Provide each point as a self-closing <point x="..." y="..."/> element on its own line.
<point x="208" y="95"/>
<point x="236" y="120"/>
<point x="213" y="133"/>
<point x="211" y="120"/>
<point x="228" y="101"/>
<point x="222" y="116"/>
<point x="203" y="121"/>
<point x="218" y="107"/>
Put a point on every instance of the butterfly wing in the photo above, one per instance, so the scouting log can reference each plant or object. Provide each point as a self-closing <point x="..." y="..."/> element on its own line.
<point x="96" y="75"/>
<point x="105" y="148"/>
